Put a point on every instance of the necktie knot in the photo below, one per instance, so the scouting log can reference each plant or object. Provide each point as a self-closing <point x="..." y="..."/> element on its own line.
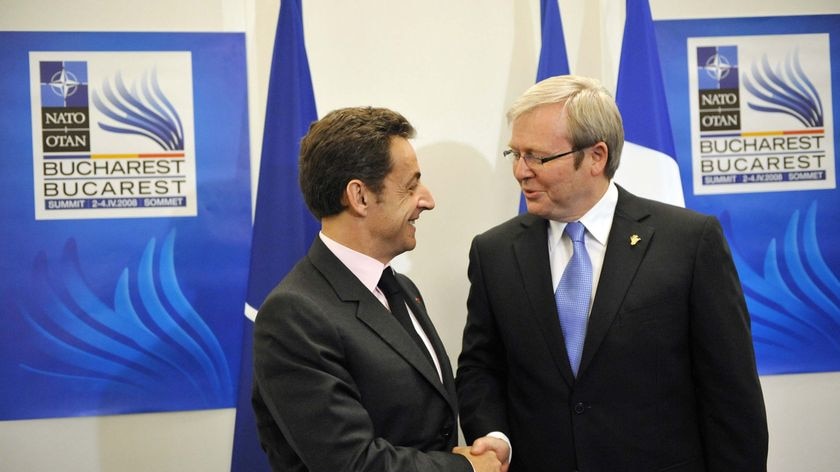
<point x="575" y="230"/>
<point x="388" y="283"/>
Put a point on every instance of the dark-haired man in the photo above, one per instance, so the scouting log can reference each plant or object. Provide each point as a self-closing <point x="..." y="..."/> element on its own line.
<point x="350" y="374"/>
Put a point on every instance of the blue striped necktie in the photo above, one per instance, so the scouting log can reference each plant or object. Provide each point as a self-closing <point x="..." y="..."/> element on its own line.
<point x="572" y="295"/>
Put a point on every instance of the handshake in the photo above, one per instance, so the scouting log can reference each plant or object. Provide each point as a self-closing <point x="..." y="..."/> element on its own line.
<point x="487" y="454"/>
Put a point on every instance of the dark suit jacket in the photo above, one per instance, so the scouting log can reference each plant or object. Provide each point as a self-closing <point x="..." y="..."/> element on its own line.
<point x="667" y="380"/>
<point x="338" y="383"/>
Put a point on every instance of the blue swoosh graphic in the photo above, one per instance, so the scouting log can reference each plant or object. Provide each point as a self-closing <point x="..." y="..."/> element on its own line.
<point x="143" y="111"/>
<point x="151" y="346"/>
<point x="788" y="91"/>
<point x="795" y="303"/>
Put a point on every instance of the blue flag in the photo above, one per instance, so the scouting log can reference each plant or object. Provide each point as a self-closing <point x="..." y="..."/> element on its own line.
<point x="648" y="162"/>
<point x="553" y="59"/>
<point x="283" y="227"/>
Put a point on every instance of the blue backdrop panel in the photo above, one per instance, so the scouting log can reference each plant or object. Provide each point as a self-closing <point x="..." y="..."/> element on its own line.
<point x="140" y="313"/>
<point x="783" y="238"/>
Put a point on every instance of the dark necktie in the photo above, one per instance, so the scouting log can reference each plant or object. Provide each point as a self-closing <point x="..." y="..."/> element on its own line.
<point x="394" y="294"/>
<point x="572" y="295"/>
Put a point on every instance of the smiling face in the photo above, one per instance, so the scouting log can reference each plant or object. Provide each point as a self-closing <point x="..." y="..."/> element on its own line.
<point x="563" y="189"/>
<point x="397" y="207"/>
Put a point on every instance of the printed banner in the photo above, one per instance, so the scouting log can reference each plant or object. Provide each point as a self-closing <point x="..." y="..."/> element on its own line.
<point x="753" y="105"/>
<point x="112" y="134"/>
<point x="761" y="113"/>
<point x="125" y="199"/>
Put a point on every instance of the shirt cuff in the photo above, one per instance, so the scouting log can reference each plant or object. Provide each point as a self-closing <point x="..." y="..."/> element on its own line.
<point x="503" y="437"/>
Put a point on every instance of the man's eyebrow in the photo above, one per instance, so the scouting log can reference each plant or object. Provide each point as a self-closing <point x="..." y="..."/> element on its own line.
<point x="414" y="178"/>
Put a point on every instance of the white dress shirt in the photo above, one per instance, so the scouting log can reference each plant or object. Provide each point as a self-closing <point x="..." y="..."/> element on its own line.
<point x="598" y="222"/>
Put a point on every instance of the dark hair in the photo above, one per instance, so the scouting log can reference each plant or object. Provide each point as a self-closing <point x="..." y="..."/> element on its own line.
<point x="347" y="144"/>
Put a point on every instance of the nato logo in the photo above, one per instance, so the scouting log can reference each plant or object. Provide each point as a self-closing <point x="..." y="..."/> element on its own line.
<point x="64" y="106"/>
<point x="64" y="84"/>
<point x="717" y="67"/>
<point x="717" y="80"/>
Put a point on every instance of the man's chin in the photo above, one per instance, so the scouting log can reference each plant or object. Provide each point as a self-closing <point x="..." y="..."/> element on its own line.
<point x="535" y="208"/>
<point x="409" y="243"/>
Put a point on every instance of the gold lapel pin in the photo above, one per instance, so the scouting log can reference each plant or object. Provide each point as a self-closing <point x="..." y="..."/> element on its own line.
<point x="634" y="239"/>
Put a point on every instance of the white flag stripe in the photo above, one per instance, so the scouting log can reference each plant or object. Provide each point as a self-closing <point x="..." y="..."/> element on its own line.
<point x="250" y="312"/>
<point x="650" y="174"/>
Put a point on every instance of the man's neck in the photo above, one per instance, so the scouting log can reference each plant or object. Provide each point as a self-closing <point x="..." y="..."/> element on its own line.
<point x="350" y="232"/>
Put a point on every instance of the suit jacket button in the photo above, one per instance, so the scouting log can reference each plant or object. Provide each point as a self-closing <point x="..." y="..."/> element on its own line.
<point x="579" y="408"/>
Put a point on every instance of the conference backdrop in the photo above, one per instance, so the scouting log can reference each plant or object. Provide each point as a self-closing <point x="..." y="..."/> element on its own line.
<point x="753" y="102"/>
<point x="124" y="191"/>
<point x="125" y="199"/>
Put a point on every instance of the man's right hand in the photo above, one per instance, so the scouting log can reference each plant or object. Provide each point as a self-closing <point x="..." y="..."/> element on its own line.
<point x="485" y="462"/>
<point x="493" y="444"/>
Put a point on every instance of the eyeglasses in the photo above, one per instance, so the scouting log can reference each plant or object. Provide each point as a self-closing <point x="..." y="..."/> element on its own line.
<point x="530" y="160"/>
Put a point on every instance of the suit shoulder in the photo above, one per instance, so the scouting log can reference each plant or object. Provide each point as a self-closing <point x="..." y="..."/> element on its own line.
<point x="303" y="290"/>
<point x="642" y="208"/>
<point x="508" y="230"/>
<point x="299" y="280"/>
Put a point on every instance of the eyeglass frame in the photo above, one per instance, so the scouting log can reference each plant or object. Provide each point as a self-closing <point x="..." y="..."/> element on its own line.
<point x="542" y="160"/>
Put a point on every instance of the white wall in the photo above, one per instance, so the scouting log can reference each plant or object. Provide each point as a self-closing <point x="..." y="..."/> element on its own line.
<point x="451" y="67"/>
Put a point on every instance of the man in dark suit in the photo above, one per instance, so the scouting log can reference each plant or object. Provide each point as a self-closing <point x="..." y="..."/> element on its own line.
<point x="605" y="332"/>
<point x="341" y="383"/>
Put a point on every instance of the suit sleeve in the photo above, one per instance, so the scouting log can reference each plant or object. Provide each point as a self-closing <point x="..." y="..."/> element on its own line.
<point x="300" y="374"/>
<point x="733" y="420"/>
<point x="481" y="381"/>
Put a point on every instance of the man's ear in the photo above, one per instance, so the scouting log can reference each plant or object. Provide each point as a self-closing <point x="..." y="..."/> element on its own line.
<point x="356" y="197"/>
<point x="600" y="151"/>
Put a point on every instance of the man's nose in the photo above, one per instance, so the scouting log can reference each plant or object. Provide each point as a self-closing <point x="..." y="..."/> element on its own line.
<point x="521" y="170"/>
<point x="427" y="201"/>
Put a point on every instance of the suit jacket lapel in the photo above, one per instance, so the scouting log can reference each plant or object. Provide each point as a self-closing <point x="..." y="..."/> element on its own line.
<point x="440" y="351"/>
<point x="531" y="250"/>
<point x="621" y="261"/>
<point x="382" y="322"/>
<point x="372" y="313"/>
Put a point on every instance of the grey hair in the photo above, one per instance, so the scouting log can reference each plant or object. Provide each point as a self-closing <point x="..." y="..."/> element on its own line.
<point x="591" y="112"/>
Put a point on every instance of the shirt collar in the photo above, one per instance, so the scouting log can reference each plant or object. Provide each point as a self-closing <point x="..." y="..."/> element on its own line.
<point x="367" y="269"/>
<point x="598" y="220"/>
